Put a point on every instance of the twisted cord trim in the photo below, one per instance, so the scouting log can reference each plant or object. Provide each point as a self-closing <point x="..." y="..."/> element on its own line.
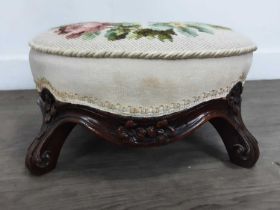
<point x="172" y="55"/>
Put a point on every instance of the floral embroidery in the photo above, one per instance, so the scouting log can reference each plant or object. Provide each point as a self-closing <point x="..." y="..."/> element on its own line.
<point x="118" y="31"/>
<point x="87" y="29"/>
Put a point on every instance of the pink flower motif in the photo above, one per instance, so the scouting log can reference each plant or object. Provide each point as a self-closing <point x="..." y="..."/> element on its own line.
<point x="76" y="30"/>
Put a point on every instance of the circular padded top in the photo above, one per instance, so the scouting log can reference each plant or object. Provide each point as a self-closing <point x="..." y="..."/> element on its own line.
<point x="172" y="40"/>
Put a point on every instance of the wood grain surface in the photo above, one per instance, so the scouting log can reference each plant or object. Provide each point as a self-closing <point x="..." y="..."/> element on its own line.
<point x="190" y="174"/>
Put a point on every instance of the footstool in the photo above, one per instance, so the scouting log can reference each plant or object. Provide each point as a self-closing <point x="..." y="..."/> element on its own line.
<point x="140" y="85"/>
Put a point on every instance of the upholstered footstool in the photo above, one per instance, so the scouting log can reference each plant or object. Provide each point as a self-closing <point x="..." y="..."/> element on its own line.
<point x="140" y="85"/>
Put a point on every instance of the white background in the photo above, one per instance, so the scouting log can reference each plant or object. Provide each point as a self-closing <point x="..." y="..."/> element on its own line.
<point x="20" y="20"/>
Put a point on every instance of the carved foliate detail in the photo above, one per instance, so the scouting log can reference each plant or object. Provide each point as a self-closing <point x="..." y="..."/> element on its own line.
<point x="60" y="118"/>
<point x="132" y="133"/>
<point x="41" y="159"/>
<point x="48" y="107"/>
<point x="234" y="98"/>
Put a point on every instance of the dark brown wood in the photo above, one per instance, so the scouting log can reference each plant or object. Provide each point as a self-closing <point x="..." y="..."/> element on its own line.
<point x="44" y="151"/>
<point x="59" y="119"/>
<point x="241" y="145"/>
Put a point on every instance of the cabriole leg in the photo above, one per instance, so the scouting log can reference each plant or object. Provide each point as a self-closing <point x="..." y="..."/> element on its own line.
<point x="241" y="145"/>
<point x="44" y="151"/>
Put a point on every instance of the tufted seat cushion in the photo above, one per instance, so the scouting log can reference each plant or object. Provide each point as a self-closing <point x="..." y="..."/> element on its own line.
<point x="140" y="70"/>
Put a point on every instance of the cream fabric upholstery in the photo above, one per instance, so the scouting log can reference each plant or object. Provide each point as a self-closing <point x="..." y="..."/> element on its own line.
<point x="141" y="86"/>
<point x="181" y="40"/>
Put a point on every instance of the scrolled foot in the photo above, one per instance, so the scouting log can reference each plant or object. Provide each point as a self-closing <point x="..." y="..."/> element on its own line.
<point x="245" y="153"/>
<point x="241" y="145"/>
<point x="39" y="160"/>
<point x="44" y="151"/>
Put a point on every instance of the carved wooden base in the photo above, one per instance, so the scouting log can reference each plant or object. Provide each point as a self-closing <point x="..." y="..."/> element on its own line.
<point x="60" y="118"/>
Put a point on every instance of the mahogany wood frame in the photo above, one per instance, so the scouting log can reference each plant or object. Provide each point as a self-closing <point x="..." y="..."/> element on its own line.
<point x="60" y="118"/>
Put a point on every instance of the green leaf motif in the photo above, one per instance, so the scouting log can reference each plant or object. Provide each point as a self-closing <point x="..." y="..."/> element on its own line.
<point x="90" y="35"/>
<point x="201" y="28"/>
<point x="219" y="27"/>
<point x="188" y="31"/>
<point x="152" y="34"/>
<point x="161" y="26"/>
<point x="120" y="31"/>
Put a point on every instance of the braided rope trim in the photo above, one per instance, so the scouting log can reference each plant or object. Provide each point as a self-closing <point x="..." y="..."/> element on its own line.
<point x="141" y="111"/>
<point x="172" y="55"/>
